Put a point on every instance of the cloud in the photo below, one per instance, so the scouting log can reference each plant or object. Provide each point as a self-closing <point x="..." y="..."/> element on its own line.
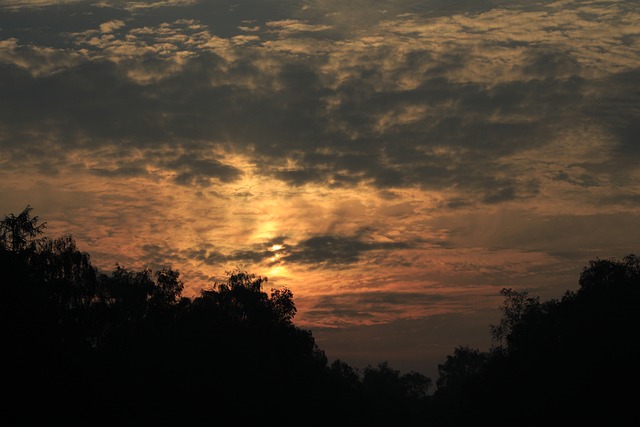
<point x="153" y="4"/>
<point x="193" y="170"/>
<point x="335" y="250"/>
<point x="111" y="26"/>
<point x="287" y="27"/>
<point x="317" y="251"/>
<point x="18" y="4"/>
<point x="371" y="305"/>
<point x="38" y="60"/>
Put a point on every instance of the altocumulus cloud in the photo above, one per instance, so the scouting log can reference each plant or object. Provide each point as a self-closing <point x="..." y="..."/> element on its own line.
<point x="417" y="99"/>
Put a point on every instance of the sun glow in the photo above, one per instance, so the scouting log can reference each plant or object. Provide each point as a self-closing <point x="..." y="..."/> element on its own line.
<point x="278" y="271"/>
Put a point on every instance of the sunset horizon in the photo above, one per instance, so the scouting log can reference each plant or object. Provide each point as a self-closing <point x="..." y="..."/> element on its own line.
<point x="395" y="164"/>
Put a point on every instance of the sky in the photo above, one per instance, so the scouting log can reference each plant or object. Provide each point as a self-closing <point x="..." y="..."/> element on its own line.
<point x="395" y="163"/>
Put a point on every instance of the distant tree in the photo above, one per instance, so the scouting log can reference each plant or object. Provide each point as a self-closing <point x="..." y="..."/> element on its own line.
<point x="416" y="385"/>
<point x="282" y="305"/>
<point x="517" y="306"/>
<point x="604" y="276"/>
<point x="393" y="397"/>
<point x="243" y="299"/>
<point x="569" y="360"/>
<point x="168" y="288"/>
<point x="61" y="262"/>
<point x="382" y="381"/>
<point x="20" y="232"/>
<point x="465" y="364"/>
<point x="128" y="292"/>
<point x="344" y="375"/>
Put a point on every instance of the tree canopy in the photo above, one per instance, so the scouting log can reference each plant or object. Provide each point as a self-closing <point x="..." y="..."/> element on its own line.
<point x="126" y="347"/>
<point x="572" y="360"/>
<point x="21" y="231"/>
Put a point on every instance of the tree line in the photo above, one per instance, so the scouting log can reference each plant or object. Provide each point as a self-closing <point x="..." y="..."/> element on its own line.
<point x="127" y="348"/>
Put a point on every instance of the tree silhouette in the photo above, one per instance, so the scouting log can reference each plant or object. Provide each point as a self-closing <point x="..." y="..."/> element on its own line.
<point x="20" y="232"/>
<point x="391" y="397"/>
<point x="570" y="360"/>
<point x="465" y="364"/>
<point x="128" y="348"/>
